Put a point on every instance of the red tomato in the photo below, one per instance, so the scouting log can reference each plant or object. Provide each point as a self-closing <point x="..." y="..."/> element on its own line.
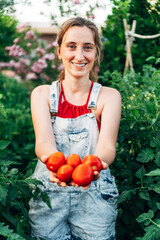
<point x="74" y="160"/>
<point x="55" y="160"/>
<point x="93" y="161"/>
<point x="64" y="173"/>
<point x="83" y="175"/>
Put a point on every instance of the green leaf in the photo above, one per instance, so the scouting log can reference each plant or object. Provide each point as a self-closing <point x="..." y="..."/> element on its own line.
<point x="144" y="195"/>
<point x="4" y="169"/>
<point x="151" y="58"/>
<point x="3" y="194"/>
<point x="158" y="205"/>
<point x="141" y="172"/>
<point x="152" y="233"/>
<point x="135" y="113"/>
<point x="156" y="188"/>
<point x="145" y="216"/>
<point x="4" y="144"/>
<point x="124" y="196"/>
<point x="157" y="159"/>
<point x="155" y="142"/>
<point x="15" y="236"/>
<point x="145" y="155"/>
<point x="46" y="199"/>
<point x="4" y="230"/>
<point x="153" y="173"/>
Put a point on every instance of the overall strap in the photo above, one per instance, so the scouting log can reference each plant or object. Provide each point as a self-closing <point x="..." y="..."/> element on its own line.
<point x="54" y="97"/>
<point x="94" y="96"/>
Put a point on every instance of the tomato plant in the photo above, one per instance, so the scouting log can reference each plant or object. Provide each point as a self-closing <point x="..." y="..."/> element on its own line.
<point x="83" y="175"/>
<point x="55" y="161"/>
<point x="93" y="161"/>
<point x="74" y="160"/>
<point x="64" y="173"/>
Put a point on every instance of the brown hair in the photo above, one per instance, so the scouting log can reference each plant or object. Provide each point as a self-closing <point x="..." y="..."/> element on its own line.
<point x="79" y="21"/>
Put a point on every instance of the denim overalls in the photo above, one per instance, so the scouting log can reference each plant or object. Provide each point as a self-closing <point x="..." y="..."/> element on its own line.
<point x="76" y="214"/>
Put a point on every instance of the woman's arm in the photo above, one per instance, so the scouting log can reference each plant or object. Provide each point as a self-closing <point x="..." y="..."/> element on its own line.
<point x="44" y="137"/>
<point x="110" y="102"/>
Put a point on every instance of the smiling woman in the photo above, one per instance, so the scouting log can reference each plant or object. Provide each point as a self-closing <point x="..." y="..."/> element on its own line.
<point x="76" y="115"/>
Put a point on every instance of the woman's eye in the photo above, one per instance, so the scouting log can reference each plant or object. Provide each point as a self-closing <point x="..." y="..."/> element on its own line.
<point x="88" y="48"/>
<point x="71" y="46"/>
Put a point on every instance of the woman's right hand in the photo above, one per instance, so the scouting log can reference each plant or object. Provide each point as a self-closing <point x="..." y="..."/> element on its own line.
<point x="53" y="176"/>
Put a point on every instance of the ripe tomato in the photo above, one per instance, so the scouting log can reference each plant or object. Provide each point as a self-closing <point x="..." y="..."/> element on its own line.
<point x="74" y="160"/>
<point x="64" y="173"/>
<point x="55" y="160"/>
<point x="93" y="161"/>
<point x="83" y="175"/>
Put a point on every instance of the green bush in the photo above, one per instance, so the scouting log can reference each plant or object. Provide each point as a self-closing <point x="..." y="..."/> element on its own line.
<point x="7" y="34"/>
<point x="137" y="164"/>
<point x="17" y="160"/>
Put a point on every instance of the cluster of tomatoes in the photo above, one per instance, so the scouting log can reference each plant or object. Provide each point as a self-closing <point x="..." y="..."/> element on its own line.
<point x="73" y="168"/>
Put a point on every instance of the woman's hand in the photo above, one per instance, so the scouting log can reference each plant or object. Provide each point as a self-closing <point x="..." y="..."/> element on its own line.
<point x="53" y="176"/>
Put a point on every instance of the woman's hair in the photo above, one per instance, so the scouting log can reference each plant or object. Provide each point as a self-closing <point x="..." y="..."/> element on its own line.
<point x="81" y="22"/>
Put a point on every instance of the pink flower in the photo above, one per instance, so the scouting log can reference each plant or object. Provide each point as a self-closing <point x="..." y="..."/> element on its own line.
<point x="15" y="50"/>
<point x="16" y="40"/>
<point x="31" y="75"/>
<point x="76" y="1"/>
<point x="91" y="16"/>
<point x="61" y="67"/>
<point x="25" y="61"/>
<point x="53" y="44"/>
<point x="53" y="66"/>
<point x="41" y="51"/>
<point x="16" y="65"/>
<point x="30" y="34"/>
<point x="38" y="66"/>
<point x="28" y="44"/>
<point x="49" y="56"/>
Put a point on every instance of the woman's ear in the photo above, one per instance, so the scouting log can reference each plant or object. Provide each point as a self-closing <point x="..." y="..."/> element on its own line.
<point x="58" y="52"/>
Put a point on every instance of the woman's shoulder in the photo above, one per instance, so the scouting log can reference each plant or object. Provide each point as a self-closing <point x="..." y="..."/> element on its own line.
<point x="109" y="92"/>
<point x="40" y="90"/>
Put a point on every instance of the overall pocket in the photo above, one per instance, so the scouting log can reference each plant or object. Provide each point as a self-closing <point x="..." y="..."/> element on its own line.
<point x="73" y="142"/>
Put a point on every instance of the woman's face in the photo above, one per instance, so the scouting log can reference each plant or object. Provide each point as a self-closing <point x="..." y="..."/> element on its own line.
<point x="78" y="52"/>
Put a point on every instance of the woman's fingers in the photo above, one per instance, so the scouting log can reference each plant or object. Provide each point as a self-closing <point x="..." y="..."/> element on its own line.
<point x="44" y="159"/>
<point x="54" y="179"/>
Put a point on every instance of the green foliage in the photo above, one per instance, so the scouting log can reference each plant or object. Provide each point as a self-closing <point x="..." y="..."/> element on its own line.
<point x="137" y="164"/>
<point x="17" y="161"/>
<point x="7" y="33"/>
<point x="148" y="23"/>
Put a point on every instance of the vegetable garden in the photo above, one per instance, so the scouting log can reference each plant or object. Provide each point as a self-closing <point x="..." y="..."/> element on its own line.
<point x="137" y="164"/>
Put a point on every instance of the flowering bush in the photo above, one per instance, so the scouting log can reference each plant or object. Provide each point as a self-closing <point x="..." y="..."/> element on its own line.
<point x="32" y="58"/>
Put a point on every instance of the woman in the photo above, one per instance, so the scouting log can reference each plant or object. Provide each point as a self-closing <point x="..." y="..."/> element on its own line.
<point x="76" y="115"/>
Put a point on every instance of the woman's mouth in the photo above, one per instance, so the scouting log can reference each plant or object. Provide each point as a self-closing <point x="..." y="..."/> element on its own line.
<point x="79" y="64"/>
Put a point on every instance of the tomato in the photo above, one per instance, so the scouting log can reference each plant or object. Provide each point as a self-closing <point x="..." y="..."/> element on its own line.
<point x="74" y="160"/>
<point x="64" y="173"/>
<point x="55" y="160"/>
<point x="83" y="175"/>
<point x="93" y="161"/>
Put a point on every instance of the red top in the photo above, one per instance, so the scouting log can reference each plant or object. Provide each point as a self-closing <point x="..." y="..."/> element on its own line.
<point x="68" y="110"/>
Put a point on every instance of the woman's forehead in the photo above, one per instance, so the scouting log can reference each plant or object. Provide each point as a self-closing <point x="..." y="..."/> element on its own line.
<point x="79" y="34"/>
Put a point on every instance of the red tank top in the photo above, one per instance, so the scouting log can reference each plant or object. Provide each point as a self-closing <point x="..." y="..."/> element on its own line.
<point x="68" y="110"/>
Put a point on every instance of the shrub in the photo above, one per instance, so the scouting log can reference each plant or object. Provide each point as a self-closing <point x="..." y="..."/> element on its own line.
<point x="17" y="160"/>
<point x="137" y="164"/>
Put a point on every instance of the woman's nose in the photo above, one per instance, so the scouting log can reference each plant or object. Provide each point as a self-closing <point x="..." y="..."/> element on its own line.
<point x="79" y="54"/>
